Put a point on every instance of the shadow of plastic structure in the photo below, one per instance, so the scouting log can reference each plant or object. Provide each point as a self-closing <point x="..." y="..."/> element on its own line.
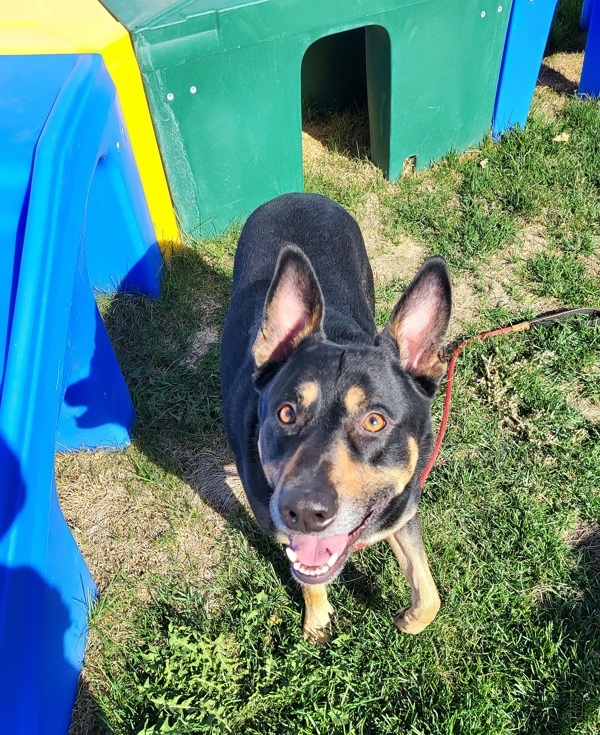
<point x="528" y="31"/>
<point x="73" y="221"/>
<point x="590" y="73"/>
<point x="224" y="84"/>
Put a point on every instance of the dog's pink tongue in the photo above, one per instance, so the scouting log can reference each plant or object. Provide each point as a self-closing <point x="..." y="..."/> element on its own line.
<point x="314" y="552"/>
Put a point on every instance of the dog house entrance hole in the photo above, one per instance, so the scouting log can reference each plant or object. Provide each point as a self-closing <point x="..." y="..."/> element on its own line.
<point x="334" y="73"/>
<point x="334" y="80"/>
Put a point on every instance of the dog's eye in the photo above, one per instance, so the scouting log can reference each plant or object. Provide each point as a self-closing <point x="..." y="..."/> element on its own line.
<point x="287" y="414"/>
<point x="374" y="422"/>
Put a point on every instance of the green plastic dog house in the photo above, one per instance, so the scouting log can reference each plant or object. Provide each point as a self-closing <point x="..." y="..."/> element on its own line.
<point x="224" y="82"/>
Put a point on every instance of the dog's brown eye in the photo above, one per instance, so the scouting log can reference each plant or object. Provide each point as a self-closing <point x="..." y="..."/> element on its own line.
<point x="374" y="422"/>
<point x="287" y="414"/>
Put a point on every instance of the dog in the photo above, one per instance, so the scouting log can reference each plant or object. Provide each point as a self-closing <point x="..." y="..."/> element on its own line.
<point x="329" y="419"/>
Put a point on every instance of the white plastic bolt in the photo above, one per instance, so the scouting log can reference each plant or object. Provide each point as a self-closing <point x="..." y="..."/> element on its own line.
<point x="499" y="8"/>
<point x="483" y="13"/>
<point x="118" y="145"/>
<point x="193" y="90"/>
<point x="170" y="96"/>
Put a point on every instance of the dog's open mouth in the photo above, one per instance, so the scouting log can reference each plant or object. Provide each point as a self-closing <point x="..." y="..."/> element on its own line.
<point x="318" y="560"/>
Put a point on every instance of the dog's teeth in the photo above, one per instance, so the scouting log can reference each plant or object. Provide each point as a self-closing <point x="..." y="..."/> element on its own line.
<point x="291" y="554"/>
<point x="311" y="571"/>
<point x="332" y="560"/>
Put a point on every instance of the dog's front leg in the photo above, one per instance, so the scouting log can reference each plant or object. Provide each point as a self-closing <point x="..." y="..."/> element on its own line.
<point x="317" y="613"/>
<point x="407" y="545"/>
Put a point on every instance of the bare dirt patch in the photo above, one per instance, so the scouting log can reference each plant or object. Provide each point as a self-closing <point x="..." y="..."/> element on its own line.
<point x="588" y="409"/>
<point x="206" y="335"/>
<point x="84" y="719"/>
<point x="369" y="220"/>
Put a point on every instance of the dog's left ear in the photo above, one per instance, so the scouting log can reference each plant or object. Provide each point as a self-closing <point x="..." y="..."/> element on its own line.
<point x="420" y="321"/>
<point x="293" y="308"/>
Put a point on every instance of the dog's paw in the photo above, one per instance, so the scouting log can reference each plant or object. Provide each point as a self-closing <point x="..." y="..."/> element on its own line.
<point x="317" y="625"/>
<point x="318" y="612"/>
<point x="411" y="621"/>
<point x="317" y="636"/>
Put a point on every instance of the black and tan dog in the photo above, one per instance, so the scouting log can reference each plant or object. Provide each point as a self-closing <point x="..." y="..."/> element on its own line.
<point x="329" y="420"/>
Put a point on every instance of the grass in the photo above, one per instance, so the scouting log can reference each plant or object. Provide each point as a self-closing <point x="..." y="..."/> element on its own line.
<point x="197" y="629"/>
<point x="565" y="34"/>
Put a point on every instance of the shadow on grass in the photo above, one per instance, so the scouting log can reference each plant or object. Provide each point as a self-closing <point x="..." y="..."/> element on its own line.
<point x="556" y="81"/>
<point x="168" y="350"/>
<point x="569" y="700"/>
<point x="87" y="716"/>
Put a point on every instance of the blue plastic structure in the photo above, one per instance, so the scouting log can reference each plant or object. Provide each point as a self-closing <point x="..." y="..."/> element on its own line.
<point x="586" y="14"/>
<point x="528" y="31"/>
<point x="73" y="219"/>
<point x="590" y="73"/>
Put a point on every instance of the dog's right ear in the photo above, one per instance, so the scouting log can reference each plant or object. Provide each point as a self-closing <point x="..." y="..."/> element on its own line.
<point x="419" y="321"/>
<point x="293" y="308"/>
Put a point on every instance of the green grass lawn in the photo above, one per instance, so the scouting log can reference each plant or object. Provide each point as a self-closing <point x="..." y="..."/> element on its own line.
<point x="198" y="625"/>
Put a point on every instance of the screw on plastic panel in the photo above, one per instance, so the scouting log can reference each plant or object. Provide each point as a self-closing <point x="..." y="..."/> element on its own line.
<point x="499" y="8"/>
<point x="483" y="13"/>
<point x="170" y="96"/>
<point x="193" y="90"/>
<point x="118" y="145"/>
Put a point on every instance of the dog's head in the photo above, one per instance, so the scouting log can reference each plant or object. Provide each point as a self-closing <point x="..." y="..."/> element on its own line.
<point x="344" y="430"/>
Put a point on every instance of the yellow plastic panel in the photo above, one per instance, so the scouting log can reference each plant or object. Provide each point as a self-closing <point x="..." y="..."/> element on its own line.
<point x="85" y="26"/>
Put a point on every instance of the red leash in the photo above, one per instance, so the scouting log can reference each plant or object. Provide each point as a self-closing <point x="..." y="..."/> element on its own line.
<point x="520" y="327"/>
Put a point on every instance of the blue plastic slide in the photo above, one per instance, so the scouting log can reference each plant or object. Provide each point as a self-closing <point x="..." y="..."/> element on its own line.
<point x="590" y="73"/>
<point x="73" y="220"/>
<point x="528" y="31"/>
<point x="586" y="14"/>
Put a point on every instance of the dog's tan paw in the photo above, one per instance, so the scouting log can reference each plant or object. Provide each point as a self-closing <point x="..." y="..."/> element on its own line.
<point x="317" y="636"/>
<point x="410" y="621"/>
<point x="317" y="624"/>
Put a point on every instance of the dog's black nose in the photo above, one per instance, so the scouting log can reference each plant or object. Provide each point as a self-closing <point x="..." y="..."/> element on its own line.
<point x="308" y="511"/>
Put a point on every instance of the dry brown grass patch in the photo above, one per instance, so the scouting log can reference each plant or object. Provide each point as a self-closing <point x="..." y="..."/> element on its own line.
<point x="586" y="537"/>
<point x="557" y="81"/>
<point x="399" y="262"/>
<point x="336" y="165"/>
<point x="130" y="527"/>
